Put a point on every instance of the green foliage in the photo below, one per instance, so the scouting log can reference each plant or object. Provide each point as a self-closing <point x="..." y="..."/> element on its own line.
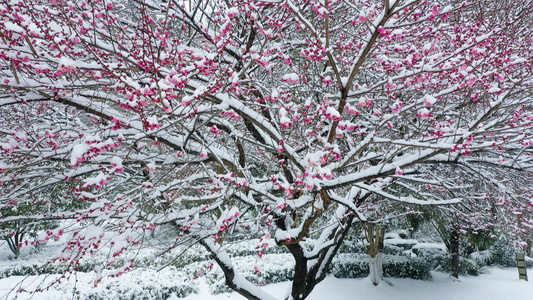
<point x="350" y="266"/>
<point x="481" y="239"/>
<point x="14" y="232"/>
<point x="142" y="291"/>
<point x="352" y="246"/>
<point x="356" y="266"/>
<point x="274" y="276"/>
<point x="29" y="270"/>
<point x="503" y="253"/>
<point x="392" y="250"/>
<point x="415" y="222"/>
<point x="41" y="200"/>
<point x="404" y="267"/>
<point x="467" y="266"/>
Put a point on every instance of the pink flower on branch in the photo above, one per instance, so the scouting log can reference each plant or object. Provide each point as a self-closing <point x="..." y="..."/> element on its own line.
<point x="294" y="121"/>
<point x="291" y="78"/>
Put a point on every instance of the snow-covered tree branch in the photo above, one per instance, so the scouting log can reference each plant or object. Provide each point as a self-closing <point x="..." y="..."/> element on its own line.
<point x="226" y="119"/>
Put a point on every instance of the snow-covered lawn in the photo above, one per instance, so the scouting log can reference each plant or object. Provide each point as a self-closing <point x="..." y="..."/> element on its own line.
<point x="494" y="284"/>
<point x="194" y="279"/>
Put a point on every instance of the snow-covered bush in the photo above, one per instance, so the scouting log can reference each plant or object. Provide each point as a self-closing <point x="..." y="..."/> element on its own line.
<point x="467" y="266"/>
<point x="482" y="258"/>
<point x="399" y="240"/>
<point x="142" y="292"/>
<point x="392" y="250"/>
<point x="28" y="270"/>
<point x="404" y="267"/>
<point x="429" y="250"/>
<point x="503" y="253"/>
<point x="350" y="266"/>
<point x="352" y="246"/>
<point x="356" y="266"/>
<point x="135" y="286"/>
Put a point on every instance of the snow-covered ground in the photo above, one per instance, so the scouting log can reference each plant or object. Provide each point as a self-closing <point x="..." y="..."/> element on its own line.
<point x="190" y="280"/>
<point x="494" y="284"/>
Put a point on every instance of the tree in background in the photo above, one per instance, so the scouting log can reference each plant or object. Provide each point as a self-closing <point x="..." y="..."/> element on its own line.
<point x="493" y="211"/>
<point x="235" y="119"/>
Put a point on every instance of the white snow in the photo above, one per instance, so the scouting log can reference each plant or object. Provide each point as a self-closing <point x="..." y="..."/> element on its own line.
<point x="497" y="284"/>
<point x="292" y="77"/>
<point x="152" y="120"/>
<point x="493" y="284"/>
<point x="77" y="152"/>
<point x="332" y="112"/>
<point x="429" y="100"/>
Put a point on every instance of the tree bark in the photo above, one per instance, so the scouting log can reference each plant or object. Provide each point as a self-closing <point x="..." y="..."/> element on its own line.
<point x="454" y="249"/>
<point x="307" y="276"/>
<point x="14" y="241"/>
<point x="375" y="234"/>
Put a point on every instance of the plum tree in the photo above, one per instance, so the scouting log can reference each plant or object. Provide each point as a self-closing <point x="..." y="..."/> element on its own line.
<point x="237" y="119"/>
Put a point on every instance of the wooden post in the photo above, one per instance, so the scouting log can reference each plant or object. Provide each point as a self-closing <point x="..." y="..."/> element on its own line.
<point x="521" y="264"/>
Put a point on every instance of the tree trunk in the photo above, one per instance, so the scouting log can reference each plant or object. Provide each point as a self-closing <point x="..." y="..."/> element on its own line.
<point x="375" y="265"/>
<point x="14" y="241"/>
<point x="375" y="234"/>
<point x="300" y="285"/>
<point x="13" y="246"/>
<point x="310" y="271"/>
<point x="454" y="249"/>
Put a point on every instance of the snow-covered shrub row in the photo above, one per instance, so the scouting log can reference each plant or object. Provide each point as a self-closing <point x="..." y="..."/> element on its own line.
<point x="143" y="292"/>
<point x="467" y="266"/>
<point x="27" y="270"/>
<point x="400" y="240"/>
<point x="356" y="266"/>
<point x="350" y="266"/>
<point x="392" y="250"/>
<point x="428" y="250"/>
<point x="352" y="246"/>
<point x="135" y="285"/>
<point x="404" y="267"/>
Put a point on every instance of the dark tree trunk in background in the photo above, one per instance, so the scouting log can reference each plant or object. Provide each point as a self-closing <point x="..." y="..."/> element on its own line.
<point x="454" y="249"/>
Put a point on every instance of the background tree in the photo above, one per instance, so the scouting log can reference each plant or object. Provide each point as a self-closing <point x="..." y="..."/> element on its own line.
<point x="238" y="119"/>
